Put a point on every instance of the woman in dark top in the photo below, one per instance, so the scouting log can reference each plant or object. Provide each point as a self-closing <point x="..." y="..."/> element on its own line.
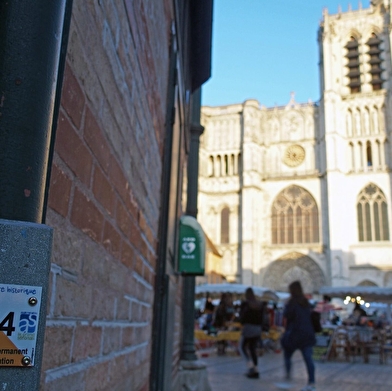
<point x="299" y="332"/>
<point x="251" y="317"/>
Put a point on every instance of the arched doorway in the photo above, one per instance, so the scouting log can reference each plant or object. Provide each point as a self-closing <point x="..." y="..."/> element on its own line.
<point x="291" y="267"/>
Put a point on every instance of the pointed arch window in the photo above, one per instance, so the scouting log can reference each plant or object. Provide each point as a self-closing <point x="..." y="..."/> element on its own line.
<point x="375" y="121"/>
<point x="372" y="211"/>
<point x="349" y="120"/>
<point x="218" y="166"/>
<point x="360" y="154"/>
<point x="366" y="121"/>
<point x="211" y="166"/>
<point x="379" y="151"/>
<point x="225" y="217"/>
<point x="369" y="159"/>
<point x="295" y="217"/>
<point x="357" y="117"/>
<point x="226" y="165"/>
<point x="352" y="156"/>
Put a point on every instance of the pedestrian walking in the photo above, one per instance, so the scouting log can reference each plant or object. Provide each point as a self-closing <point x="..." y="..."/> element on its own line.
<point x="299" y="333"/>
<point x="251" y="317"/>
<point x="224" y="315"/>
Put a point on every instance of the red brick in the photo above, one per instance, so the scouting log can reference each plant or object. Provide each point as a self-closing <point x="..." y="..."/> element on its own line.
<point x="118" y="179"/>
<point x="61" y="338"/>
<point x="73" y="300"/>
<point x="151" y="258"/>
<point x="123" y="309"/>
<point x="139" y="266"/>
<point x="103" y="191"/>
<point x="102" y="306"/>
<point x="111" y="239"/>
<point x="146" y="314"/>
<point x="142" y="247"/>
<point x="86" y="216"/>
<point x="127" y="255"/>
<point x="146" y="229"/>
<point x="97" y="377"/>
<point x="87" y="342"/>
<point x="111" y="339"/>
<point x="132" y="206"/>
<point x="72" y="97"/>
<point x="149" y="236"/>
<point x="123" y="219"/>
<point x="149" y="276"/>
<point x="130" y="285"/>
<point x="69" y="382"/>
<point x="139" y="330"/>
<point x="96" y="140"/>
<point x="135" y="238"/>
<point x="141" y="374"/>
<point x="128" y="336"/>
<point x="59" y="191"/>
<point x="71" y="149"/>
<point x="122" y="369"/>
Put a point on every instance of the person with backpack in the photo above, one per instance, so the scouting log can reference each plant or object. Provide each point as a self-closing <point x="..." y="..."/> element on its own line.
<point x="299" y="333"/>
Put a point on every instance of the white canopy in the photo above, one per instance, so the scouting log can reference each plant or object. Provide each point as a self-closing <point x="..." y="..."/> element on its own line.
<point x="367" y="293"/>
<point x="263" y="293"/>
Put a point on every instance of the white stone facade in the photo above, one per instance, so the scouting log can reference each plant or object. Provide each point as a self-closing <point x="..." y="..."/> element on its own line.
<point x="308" y="186"/>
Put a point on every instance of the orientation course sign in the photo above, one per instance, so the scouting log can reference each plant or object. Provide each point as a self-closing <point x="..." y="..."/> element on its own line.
<point x="19" y="316"/>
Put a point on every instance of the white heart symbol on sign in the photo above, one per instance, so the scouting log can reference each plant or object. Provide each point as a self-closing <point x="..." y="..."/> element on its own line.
<point x="188" y="247"/>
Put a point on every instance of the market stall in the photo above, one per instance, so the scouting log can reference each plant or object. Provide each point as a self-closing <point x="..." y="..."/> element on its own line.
<point x="264" y="294"/>
<point x="366" y="295"/>
<point x="231" y="333"/>
<point x="365" y="336"/>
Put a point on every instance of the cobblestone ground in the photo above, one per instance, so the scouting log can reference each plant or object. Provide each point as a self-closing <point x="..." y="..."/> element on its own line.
<point x="226" y="373"/>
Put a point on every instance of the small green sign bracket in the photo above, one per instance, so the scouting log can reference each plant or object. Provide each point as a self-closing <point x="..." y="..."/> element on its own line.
<point x="192" y="247"/>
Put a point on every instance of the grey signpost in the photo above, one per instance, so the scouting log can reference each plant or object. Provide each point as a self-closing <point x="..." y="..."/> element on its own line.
<point x="30" y="44"/>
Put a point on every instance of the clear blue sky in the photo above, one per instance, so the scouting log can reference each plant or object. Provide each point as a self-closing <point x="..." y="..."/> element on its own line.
<point x="264" y="49"/>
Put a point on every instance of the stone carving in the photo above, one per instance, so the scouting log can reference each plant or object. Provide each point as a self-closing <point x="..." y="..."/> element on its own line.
<point x="294" y="155"/>
<point x="291" y="267"/>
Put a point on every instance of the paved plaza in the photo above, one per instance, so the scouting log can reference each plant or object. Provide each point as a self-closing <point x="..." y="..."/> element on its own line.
<point x="226" y="373"/>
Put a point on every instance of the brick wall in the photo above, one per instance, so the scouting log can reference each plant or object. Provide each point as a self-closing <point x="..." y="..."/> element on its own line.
<point x="104" y="197"/>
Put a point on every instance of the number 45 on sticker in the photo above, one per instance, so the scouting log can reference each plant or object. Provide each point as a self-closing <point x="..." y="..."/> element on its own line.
<point x="7" y="324"/>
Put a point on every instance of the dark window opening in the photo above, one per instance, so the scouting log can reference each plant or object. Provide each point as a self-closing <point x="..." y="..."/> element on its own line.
<point x="225" y="215"/>
<point x="369" y="159"/>
<point x="354" y="73"/>
<point x="375" y="61"/>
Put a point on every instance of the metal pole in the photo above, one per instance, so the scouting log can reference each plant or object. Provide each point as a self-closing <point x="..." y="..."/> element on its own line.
<point x="188" y="346"/>
<point x="30" y="42"/>
<point x="57" y="101"/>
<point x="159" y="330"/>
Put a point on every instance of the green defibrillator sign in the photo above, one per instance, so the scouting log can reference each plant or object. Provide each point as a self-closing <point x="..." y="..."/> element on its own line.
<point x="192" y="247"/>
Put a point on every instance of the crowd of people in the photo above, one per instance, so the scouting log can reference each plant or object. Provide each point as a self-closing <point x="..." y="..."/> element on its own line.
<point x="254" y="317"/>
<point x="299" y="319"/>
<point x="228" y="315"/>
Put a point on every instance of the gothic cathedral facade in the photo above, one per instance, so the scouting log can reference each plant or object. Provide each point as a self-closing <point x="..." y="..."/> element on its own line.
<point x="304" y="191"/>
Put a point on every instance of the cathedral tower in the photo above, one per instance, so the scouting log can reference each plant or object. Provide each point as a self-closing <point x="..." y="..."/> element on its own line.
<point x="355" y="121"/>
<point x="303" y="191"/>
